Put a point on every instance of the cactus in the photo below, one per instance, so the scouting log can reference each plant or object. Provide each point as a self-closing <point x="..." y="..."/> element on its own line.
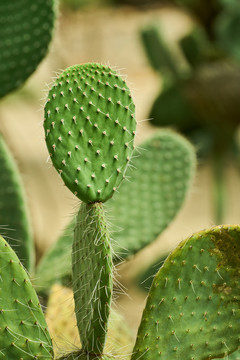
<point x="23" y="330"/>
<point x="15" y="226"/>
<point x="192" y="309"/>
<point x="26" y="30"/>
<point x="90" y="126"/>
<point x="152" y="176"/>
<point x="158" y="52"/>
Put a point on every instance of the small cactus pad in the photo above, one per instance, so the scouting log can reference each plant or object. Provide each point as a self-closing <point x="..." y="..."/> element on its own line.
<point x="193" y="308"/>
<point x="23" y="331"/>
<point x="92" y="273"/>
<point x="162" y="173"/>
<point x="89" y="127"/>
<point x="14" y="222"/>
<point x="26" y="29"/>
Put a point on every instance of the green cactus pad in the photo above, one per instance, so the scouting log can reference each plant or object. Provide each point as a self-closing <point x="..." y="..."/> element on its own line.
<point x="26" y="29"/>
<point x="193" y="308"/>
<point x="158" y="52"/>
<point x="89" y="127"/>
<point x="14" y="222"/>
<point x="172" y="109"/>
<point x="92" y="272"/>
<point x="23" y="330"/>
<point x="162" y="173"/>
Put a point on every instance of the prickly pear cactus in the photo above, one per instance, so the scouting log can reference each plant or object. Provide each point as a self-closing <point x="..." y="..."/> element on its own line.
<point x="92" y="273"/>
<point x="14" y="222"/>
<point x="23" y="330"/>
<point x="192" y="311"/>
<point x="89" y="127"/>
<point x="26" y="30"/>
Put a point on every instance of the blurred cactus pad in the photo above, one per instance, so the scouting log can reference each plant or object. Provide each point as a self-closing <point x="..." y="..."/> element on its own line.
<point x="89" y="127"/>
<point x="192" y="311"/>
<point x="14" y="221"/>
<point x="23" y="330"/>
<point x="162" y="173"/>
<point x="26" y="30"/>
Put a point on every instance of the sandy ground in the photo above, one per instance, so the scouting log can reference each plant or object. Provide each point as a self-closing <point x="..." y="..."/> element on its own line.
<point x="109" y="36"/>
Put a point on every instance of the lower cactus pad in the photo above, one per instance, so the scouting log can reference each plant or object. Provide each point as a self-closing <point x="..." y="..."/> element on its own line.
<point x="193" y="308"/>
<point x="23" y="330"/>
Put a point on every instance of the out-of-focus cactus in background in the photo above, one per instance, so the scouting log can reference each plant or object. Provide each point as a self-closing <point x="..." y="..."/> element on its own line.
<point x="201" y="100"/>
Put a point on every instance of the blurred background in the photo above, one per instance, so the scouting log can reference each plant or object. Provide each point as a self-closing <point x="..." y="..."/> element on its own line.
<point x="182" y="55"/>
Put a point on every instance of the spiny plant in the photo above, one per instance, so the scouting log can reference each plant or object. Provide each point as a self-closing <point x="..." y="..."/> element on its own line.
<point x="90" y="126"/>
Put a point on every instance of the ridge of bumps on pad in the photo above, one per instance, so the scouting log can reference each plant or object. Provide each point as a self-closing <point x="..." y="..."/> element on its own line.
<point x="90" y="126"/>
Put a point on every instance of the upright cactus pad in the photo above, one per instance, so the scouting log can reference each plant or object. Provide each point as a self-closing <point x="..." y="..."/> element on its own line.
<point x="23" y="332"/>
<point x="14" y="222"/>
<point x="26" y="29"/>
<point x="89" y="127"/>
<point x="144" y="206"/>
<point x="193" y="308"/>
<point x="92" y="276"/>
